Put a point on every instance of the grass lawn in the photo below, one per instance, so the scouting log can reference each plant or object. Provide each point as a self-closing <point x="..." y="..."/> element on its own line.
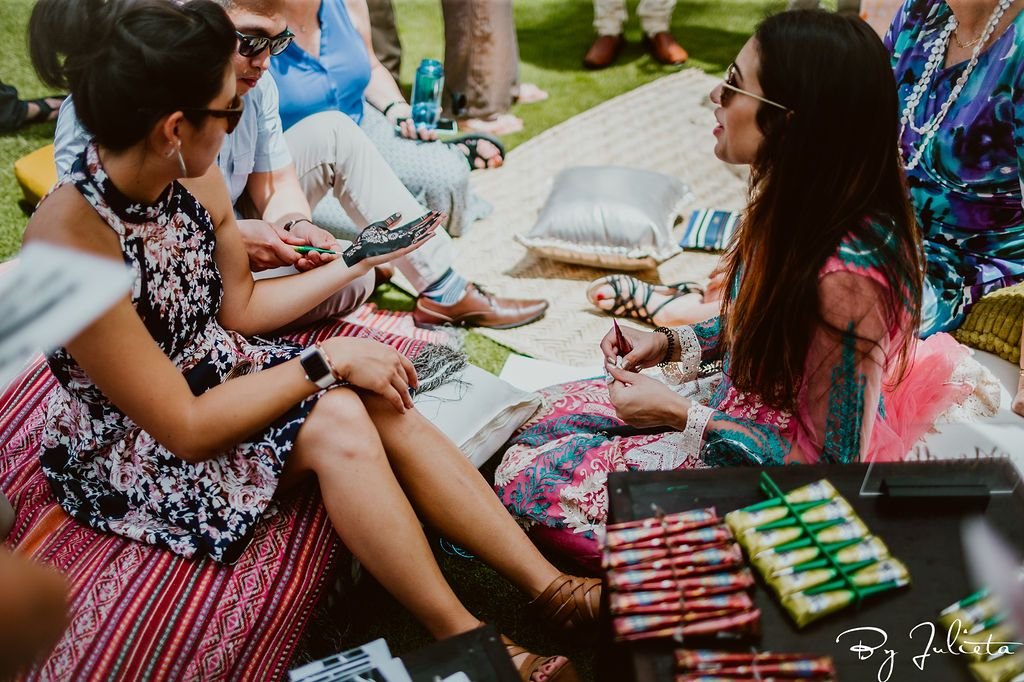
<point x="553" y="36"/>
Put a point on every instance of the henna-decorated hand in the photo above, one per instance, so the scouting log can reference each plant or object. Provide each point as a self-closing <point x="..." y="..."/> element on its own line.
<point x="379" y="242"/>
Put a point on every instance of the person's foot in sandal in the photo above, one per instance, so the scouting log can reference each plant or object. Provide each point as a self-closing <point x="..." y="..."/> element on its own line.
<point x="528" y="93"/>
<point x="534" y="668"/>
<point x="43" y="109"/>
<point x="656" y="305"/>
<point x="498" y="124"/>
<point x="481" y="150"/>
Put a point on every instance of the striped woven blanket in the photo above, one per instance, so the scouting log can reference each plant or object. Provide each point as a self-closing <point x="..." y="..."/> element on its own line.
<point x="142" y="613"/>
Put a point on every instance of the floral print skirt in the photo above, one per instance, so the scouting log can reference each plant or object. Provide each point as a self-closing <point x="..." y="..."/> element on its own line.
<point x="111" y="475"/>
<point x="552" y="477"/>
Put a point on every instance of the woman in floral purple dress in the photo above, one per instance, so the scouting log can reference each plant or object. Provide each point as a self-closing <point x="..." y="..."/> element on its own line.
<point x="172" y="423"/>
<point x="959" y="68"/>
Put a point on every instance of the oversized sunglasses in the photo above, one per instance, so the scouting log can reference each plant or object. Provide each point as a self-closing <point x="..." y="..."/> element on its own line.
<point x="232" y="114"/>
<point x="251" y="46"/>
<point x="730" y="88"/>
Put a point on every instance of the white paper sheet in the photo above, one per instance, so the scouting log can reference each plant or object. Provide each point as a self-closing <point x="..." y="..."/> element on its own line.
<point x="49" y="296"/>
<point x="529" y="374"/>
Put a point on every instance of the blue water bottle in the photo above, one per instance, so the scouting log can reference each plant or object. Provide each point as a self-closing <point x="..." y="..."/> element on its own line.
<point x="426" y="93"/>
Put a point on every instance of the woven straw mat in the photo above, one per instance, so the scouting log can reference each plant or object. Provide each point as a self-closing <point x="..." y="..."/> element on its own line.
<point x="663" y="126"/>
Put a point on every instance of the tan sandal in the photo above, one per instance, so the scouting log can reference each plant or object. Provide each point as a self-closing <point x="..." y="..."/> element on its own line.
<point x="534" y="668"/>
<point x="570" y="602"/>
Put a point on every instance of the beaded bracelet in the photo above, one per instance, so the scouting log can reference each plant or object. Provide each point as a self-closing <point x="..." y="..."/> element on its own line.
<point x="670" y="351"/>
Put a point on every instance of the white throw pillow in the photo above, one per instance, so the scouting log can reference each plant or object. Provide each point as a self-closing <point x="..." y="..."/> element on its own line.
<point x="478" y="411"/>
<point x="609" y="217"/>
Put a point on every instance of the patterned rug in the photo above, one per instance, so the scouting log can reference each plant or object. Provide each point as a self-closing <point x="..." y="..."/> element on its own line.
<point x="662" y="126"/>
<point x="370" y="317"/>
<point x="138" y="612"/>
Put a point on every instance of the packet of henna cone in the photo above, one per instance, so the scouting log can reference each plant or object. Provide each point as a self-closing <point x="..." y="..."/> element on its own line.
<point x="719" y="558"/>
<point x="783" y="539"/>
<point x="645" y="576"/>
<point x="782" y="561"/>
<point x="972" y="615"/>
<point x="847" y="552"/>
<point x="678" y="542"/>
<point x="639" y="624"/>
<point x="807" y="669"/>
<point x="660" y="548"/>
<point x="704" y="659"/>
<point x="740" y="520"/>
<point x="979" y="646"/>
<point x="740" y="625"/>
<point x="812" y="492"/>
<point x="831" y="510"/>
<point x="681" y="579"/>
<point x="863" y="574"/>
<point x="672" y="601"/>
<point x="805" y="608"/>
<point x="1004" y="669"/>
<point x="657" y="527"/>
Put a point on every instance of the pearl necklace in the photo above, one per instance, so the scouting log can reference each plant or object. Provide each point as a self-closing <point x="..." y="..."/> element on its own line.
<point x="936" y="57"/>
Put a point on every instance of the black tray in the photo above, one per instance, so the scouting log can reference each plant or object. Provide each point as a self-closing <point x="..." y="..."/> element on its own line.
<point x="922" y="532"/>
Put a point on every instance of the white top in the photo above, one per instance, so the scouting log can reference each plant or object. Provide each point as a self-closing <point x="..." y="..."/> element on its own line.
<point x="257" y="145"/>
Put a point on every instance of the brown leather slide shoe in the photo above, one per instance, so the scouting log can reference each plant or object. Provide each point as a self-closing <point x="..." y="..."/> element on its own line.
<point x="604" y="52"/>
<point x="478" y="308"/>
<point x="570" y="602"/>
<point x="665" y="49"/>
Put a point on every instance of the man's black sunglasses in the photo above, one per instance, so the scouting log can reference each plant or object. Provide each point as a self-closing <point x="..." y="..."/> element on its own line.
<point x="251" y="46"/>
<point x="232" y="114"/>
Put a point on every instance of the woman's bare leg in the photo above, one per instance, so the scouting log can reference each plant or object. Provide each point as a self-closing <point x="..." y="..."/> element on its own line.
<point x="684" y="311"/>
<point x="452" y="496"/>
<point x="370" y="512"/>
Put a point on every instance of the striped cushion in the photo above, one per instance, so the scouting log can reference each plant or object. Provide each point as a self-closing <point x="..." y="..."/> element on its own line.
<point x="710" y="230"/>
<point x="142" y="613"/>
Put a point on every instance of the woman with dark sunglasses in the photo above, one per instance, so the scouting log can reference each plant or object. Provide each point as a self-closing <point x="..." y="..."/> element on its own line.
<point x="815" y="338"/>
<point x="172" y="424"/>
<point x="331" y="66"/>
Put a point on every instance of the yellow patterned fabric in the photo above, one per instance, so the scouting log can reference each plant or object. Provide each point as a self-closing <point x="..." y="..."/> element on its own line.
<point x="994" y="323"/>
